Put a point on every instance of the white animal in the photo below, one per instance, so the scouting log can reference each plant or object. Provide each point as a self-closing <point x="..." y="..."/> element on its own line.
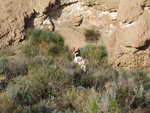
<point x="78" y="59"/>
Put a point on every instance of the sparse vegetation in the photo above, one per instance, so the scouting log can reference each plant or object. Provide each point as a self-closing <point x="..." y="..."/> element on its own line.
<point x="91" y="35"/>
<point x="42" y="83"/>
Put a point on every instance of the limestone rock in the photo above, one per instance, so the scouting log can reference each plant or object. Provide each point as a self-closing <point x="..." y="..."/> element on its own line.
<point x="129" y="10"/>
<point x="129" y="44"/>
<point x="104" y="5"/>
<point x="77" y="20"/>
<point x="107" y="5"/>
<point x="15" y="16"/>
<point x="47" y="24"/>
<point x="40" y="5"/>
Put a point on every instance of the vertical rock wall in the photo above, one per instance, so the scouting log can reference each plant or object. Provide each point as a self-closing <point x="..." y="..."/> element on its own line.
<point x="129" y="44"/>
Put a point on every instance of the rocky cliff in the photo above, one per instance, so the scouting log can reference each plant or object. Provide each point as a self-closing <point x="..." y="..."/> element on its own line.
<point x="129" y="43"/>
<point x="123" y="24"/>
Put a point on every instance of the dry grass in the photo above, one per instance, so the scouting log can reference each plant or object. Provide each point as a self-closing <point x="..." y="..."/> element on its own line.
<point x="91" y="35"/>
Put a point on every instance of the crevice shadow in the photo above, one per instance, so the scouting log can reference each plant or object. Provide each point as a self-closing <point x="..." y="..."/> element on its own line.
<point x="146" y="46"/>
<point x="29" y="21"/>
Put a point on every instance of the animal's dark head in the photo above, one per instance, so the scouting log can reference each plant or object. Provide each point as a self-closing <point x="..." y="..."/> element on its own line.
<point x="77" y="53"/>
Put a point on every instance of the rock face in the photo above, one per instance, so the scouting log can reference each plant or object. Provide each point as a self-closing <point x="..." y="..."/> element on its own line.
<point x="123" y="24"/>
<point x="129" y="44"/>
<point x="12" y="21"/>
<point x="15" y="16"/>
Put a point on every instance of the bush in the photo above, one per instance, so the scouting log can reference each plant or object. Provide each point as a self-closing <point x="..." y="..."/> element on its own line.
<point x="95" y="54"/>
<point x="44" y="43"/>
<point x="13" y="67"/>
<point x="93" y="107"/>
<point x="78" y="99"/>
<point x="8" y="105"/>
<point x="40" y="82"/>
<point x="17" y="91"/>
<point x="91" y="35"/>
<point x="142" y="73"/>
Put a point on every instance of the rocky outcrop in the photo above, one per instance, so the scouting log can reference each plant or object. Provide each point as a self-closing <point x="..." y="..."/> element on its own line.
<point x="12" y="21"/>
<point x="14" y="17"/>
<point x="123" y="25"/>
<point x="129" y="43"/>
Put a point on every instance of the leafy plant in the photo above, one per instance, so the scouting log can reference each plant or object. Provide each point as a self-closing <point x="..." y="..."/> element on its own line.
<point x="142" y="73"/>
<point x="93" y="107"/>
<point x="114" y="106"/>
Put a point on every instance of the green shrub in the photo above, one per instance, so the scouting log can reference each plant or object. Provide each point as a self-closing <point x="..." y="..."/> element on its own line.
<point x="46" y="80"/>
<point x="142" y="78"/>
<point x="91" y="35"/>
<point x="96" y="77"/>
<point x="142" y="73"/>
<point x="114" y="106"/>
<point x="44" y="43"/>
<point x="93" y="107"/>
<point x="40" y="82"/>
<point x="39" y="108"/>
<point x="8" y="105"/>
<point x="17" y="91"/>
<point x="94" y="54"/>
<point x="28" y="32"/>
<point x="122" y="91"/>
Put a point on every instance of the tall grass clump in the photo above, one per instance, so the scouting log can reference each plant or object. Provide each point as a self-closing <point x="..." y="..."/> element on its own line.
<point x="95" y="54"/>
<point x="42" y="42"/>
